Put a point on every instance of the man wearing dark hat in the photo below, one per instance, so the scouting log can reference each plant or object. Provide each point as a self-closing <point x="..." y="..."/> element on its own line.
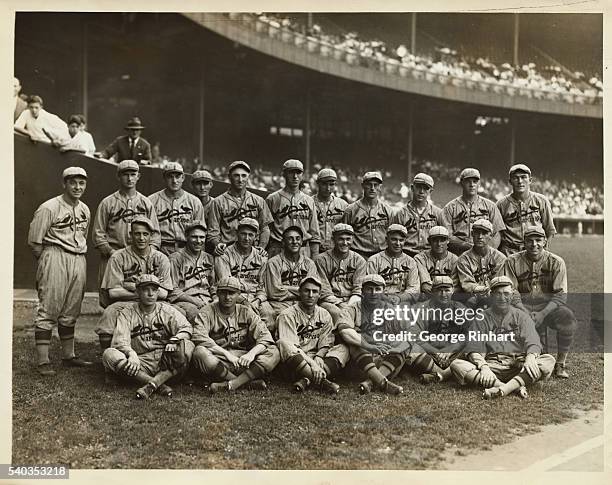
<point x="201" y="183"/>
<point x="330" y="208"/>
<point x="123" y="269"/>
<point x="512" y="360"/>
<point x="233" y="345"/>
<point x="290" y="206"/>
<point x="419" y="215"/>
<point x="229" y="208"/>
<point x="175" y="209"/>
<point x="306" y="341"/>
<point x="523" y="208"/>
<point x="460" y="213"/>
<point x="193" y="273"/>
<point x="369" y="217"/>
<point x="541" y="279"/>
<point x="437" y="261"/>
<point x="111" y="226"/>
<point x="130" y="146"/>
<point x="147" y="332"/>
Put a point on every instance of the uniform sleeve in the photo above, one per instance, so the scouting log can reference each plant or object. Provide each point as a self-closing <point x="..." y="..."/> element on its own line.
<point x="446" y="218"/>
<point x="152" y="215"/>
<point x="559" y="283"/>
<point x="529" y="334"/>
<point x="326" y="339"/>
<point x="99" y="236"/>
<point x="347" y="216"/>
<point x="314" y="223"/>
<point x="496" y="219"/>
<point x="422" y="268"/>
<point x="265" y="216"/>
<point x="178" y="324"/>
<point x="371" y="266"/>
<point x="500" y="260"/>
<point x="198" y="210"/>
<point x="413" y="285"/>
<point x="272" y="279"/>
<point x="165" y="272"/>
<point x="201" y="329"/>
<point x="327" y="293"/>
<point x="214" y="216"/>
<point x="122" y="336"/>
<point x="347" y="319"/>
<point x="466" y="275"/>
<point x="509" y="270"/>
<point x="41" y="222"/>
<point x="222" y="267"/>
<point x="548" y="222"/>
<point x="113" y="276"/>
<point x="360" y="272"/>
<point x="287" y="329"/>
<point x="177" y="279"/>
<point x="258" y="330"/>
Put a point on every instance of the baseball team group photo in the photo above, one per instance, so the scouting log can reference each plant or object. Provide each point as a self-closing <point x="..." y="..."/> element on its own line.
<point x="328" y="241"/>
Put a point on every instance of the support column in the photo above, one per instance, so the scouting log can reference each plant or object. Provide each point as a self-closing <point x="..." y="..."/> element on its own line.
<point x="512" y="140"/>
<point x="516" y="40"/>
<point x="413" y="33"/>
<point x="201" y="117"/>
<point x="84" y="71"/>
<point x="307" y="131"/>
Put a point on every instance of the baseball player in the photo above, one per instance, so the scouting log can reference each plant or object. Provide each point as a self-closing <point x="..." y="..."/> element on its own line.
<point x="58" y="239"/>
<point x="477" y="266"/>
<point x="435" y="320"/>
<point x="378" y="361"/>
<point x="151" y="343"/>
<point x="460" y="213"/>
<point x="201" y="183"/>
<point x="399" y="270"/>
<point x="419" y="215"/>
<point x="234" y="346"/>
<point x="510" y="362"/>
<point x="306" y="341"/>
<point x="523" y="208"/>
<point x="437" y="261"/>
<point x="242" y="261"/>
<point x="193" y="273"/>
<point x="541" y="279"/>
<point x="111" y="227"/>
<point x="292" y="207"/>
<point x="122" y="271"/>
<point x="369" y="217"/>
<point x="175" y="209"/>
<point x="330" y="208"/>
<point x="231" y="207"/>
<point x="342" y="270"/>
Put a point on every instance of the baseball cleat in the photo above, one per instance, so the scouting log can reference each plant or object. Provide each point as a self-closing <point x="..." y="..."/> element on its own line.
<point x="165" y="390"/>
<point x="522" y="392"/>
<point x="301" y="385"/>
<point x="217" y="387"/>
<point x="76" y="362"/>
<point x="391" y="388"/>
<point x="46" y="370"/>
<point x="365" y="387"/>
<point x="329" y="387"/>
<point x="492" y="393"/>
<point x="430" y="378"/>
<point x="258" y="385"/>
<point x="145" y="391"/>
<point x="560" y="371"/>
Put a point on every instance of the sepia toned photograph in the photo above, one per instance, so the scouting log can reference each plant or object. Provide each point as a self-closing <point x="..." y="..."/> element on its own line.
<point x="308" y="241"/>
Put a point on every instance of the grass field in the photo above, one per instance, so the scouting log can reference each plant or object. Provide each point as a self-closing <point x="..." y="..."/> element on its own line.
<point x="74" y="418"/>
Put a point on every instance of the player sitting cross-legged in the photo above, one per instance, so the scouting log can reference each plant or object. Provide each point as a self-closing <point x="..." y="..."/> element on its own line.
<point x="234" y="346"/>
<point x="151" y="343"/>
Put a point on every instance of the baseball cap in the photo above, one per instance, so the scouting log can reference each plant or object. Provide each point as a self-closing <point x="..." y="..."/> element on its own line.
<point x="342" y="228"/>
<point x="293" y="164"/>
<point x="238" y="164"/>
<point x="372" y="176"/>
<point x="144" y="221"/>
<point x="534" y="231"/>
<point x="195" y="225"/>
<point x="467" y="173"/>
<point x="438" y="231"/>
<point x="373" y="279"/>
<point x="229" y="283"/>
<point x="201" y="175"/>
<point x="173" y="167"/>
<point x="397" y="228"/>
<point x="74" y="172"/>
<point x="126" y="165"/>
<point x="439" y="281"/>
<point x="423" y="178"/>
<point x="483" y="224"/>
<point x="294" y="228"/>
<point x="327" y="174"/>
<point x="310" y="279"/>
<point x="249" y="222"/>
<point x="147" y="279"/>
<point x="500" y="281"/>
<point x="519" y="167"/>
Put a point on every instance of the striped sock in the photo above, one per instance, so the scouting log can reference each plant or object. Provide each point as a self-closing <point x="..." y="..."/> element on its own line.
<point x="66" y="335"/>
<point x="42" y="338"/>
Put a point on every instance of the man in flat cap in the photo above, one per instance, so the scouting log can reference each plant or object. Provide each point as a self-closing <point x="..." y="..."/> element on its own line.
<point x="369" y="217"/>
<point x="290" y="206"/>
<point x="510" y="362"/>
<point x="131" y="146"/>
<point x="419" y="215"/>
<point x="437" y="261"/>
<point x="330" y="208"/>
<point x="541" y="279"/>
<point x="175" y="209"/>
<point x="233" y="345"/>
<point x="460" y="213"/>
<point x="523" y="208"/>
<point x="201" y="183"/>
<point x="399" y="270"/>
<point x="229" y="208"/>
<point x="111" y="226"/>
<point x="477" y="266"/>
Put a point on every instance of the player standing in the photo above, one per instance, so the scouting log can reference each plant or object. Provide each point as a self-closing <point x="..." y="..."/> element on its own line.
<point x="201" y="183"/>
<point x="330" y="208"/>
<point x="437" y="261"/>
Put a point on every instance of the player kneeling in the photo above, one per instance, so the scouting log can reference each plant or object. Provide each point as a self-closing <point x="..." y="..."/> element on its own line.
<point x="377" y="360"/>
<point x="306" y="341"/>
<point x="504" y="365"/>
<point x="234" y="346"/>
<point x="151" y="343"/>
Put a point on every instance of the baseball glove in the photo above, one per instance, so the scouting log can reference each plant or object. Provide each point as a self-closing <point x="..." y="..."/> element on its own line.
<point x="174" y="361"/>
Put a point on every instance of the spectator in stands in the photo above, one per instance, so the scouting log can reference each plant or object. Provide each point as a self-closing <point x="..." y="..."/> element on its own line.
<point x="80" y="141"/>
<point x="20" y="104"/>
<point x="40" y="125"/>
<point x="156" y="158"/>
<point x="130" y="146"/>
